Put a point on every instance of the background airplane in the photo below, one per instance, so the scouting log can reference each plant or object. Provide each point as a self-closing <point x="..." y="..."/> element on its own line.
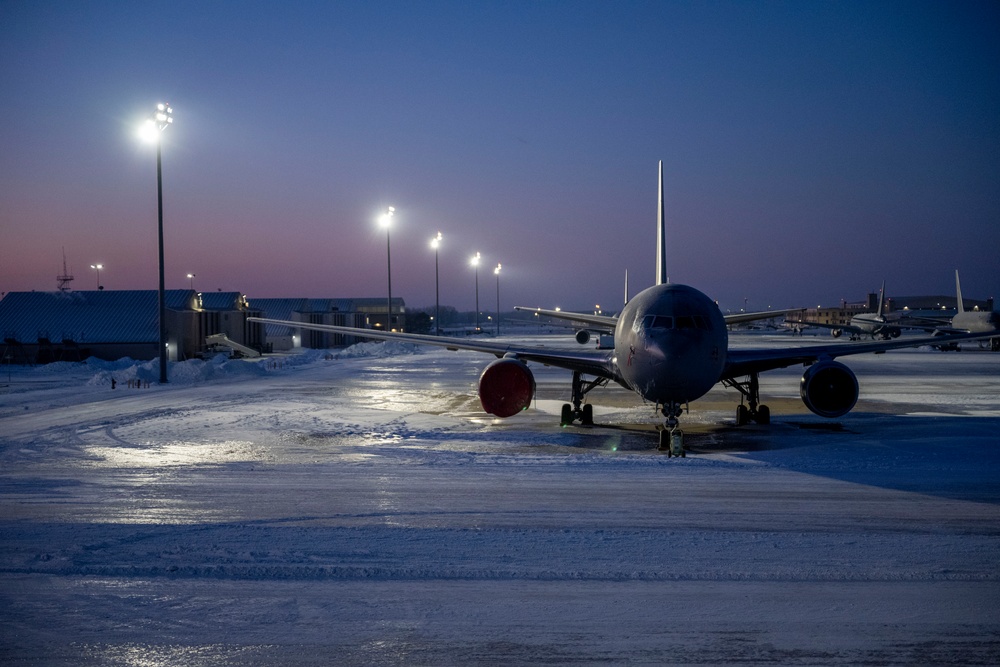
<point x="874" y="324"/>
<point x="965" y="321"/>
<point x="671" y="346"/>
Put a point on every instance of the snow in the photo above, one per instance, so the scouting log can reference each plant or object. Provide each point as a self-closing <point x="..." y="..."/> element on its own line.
<point x="359" y="508"/>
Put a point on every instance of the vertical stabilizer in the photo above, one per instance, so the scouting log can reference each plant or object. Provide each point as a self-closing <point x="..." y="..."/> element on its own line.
<point x="626" y="287"/>
<point x="958" y="294"/>
<point x="661" y="245"/>
<point x="881" y="299"/>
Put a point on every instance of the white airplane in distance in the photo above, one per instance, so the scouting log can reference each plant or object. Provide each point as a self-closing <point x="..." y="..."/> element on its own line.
<point x="966" y="321"/>
<point x="874" y="324"/>
<point x="671" y="347"/>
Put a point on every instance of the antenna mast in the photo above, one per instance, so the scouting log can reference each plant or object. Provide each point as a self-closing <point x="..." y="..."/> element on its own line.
<point x="65" y="277"/>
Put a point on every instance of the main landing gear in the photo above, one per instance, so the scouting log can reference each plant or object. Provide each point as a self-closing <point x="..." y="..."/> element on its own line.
<point x="577" y="411"/>
<point x="671" y="436"/>
<point x="753" y="411"/>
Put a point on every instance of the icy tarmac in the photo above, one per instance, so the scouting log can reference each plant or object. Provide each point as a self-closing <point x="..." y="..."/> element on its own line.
<point x="363" y="510"/>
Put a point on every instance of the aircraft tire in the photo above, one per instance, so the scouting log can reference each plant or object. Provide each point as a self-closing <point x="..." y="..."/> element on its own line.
<point x="742" y="415"/>
<point x="588" y="415"/>
<point x="566" y="417"/>
<point x="763" y="415"/>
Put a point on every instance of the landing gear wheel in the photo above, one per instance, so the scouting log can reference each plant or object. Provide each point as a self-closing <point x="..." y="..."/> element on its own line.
<point x="742" y="415"/>
<point x="672" y="442"/>
<point x="763" y="415"/>
<point x="588" y="415"/>
<point x="566" y="417"/>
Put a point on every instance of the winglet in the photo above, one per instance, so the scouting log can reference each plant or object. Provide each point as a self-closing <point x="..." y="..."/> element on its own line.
<point x="661" y="246"/>
<point x="958" y="294"/>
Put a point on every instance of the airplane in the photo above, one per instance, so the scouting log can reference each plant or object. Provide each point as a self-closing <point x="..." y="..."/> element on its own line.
<point x="966" y="321"/>
<point x="874" y="324"/>
<point x="671" y="347"/>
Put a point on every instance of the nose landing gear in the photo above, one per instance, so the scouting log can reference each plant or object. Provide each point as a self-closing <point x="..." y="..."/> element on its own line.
<point x="671" y="436"/>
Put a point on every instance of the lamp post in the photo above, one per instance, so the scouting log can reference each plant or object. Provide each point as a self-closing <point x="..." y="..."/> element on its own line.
<point x="98" y="267"/>
<point x="496" y="272"/>
<point x="191" y="277"/>
<point x="155" y="126"/>
<point x="385" y="221"/>
<point x="436" y="243"/>
<point x="475" y="262"/>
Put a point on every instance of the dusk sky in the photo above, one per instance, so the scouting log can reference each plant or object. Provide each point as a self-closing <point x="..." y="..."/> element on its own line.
<point x="811" y="150"/>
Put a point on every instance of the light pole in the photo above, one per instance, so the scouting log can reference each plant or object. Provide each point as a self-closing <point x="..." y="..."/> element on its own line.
<point x="475" y="262"/>
<point x="496" y="272"/>
<point x="155" y="126"/>
<point x="191" y="277"/>
<point x="385" y="221"/>
<point x="98" y="267"/>
<point x="436" y="243"/>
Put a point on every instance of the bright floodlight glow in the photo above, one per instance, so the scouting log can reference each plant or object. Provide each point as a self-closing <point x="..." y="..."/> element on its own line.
<point x="386" y="218"/>
<point x="97" y="266"/>
<point x="497" y="270"/>
<point x="475" y="260"/>
<point x="151" y="129"/>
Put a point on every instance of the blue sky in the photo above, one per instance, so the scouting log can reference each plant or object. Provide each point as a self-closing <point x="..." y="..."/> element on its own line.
<point x="811" y="149"/>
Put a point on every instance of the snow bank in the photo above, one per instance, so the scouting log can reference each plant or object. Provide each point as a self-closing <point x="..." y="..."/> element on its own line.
<point x="219" y="367"/>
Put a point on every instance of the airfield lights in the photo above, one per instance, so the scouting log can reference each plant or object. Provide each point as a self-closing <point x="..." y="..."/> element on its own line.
<point x="475" y="262"/>
<point x="162" y="118"/>
<point x="436" y="243"/>
<point x="496" y="272"/>
<point x="385" y="221"/>
<point x="191" y="277"/>
<point x="98" y="267"/>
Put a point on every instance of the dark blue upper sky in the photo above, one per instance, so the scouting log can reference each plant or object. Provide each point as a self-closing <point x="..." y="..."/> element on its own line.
<point x="811" y="149"/>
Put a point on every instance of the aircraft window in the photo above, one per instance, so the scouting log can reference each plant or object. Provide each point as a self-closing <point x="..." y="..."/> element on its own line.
<point x="658" y="322"/>
<point x="685" y="322"/>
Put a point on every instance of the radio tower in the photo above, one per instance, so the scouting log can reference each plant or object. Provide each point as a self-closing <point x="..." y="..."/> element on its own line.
<point x="65" y="277"/>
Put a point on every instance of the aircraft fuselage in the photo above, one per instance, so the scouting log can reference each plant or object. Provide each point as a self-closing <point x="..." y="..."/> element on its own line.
<point x="670" y="344"/>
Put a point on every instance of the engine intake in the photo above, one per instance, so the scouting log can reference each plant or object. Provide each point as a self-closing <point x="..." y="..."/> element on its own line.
<point x="829" y="389"/>
<point x="506" y="387"/>
<point x="582" y="336"/>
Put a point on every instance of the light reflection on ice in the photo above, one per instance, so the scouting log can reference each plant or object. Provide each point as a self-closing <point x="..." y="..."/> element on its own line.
<point x="181" y="454"/>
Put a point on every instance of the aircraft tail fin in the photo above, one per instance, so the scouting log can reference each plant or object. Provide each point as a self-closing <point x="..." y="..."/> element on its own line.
<point x="626" y="287"/>
<point x="959" y="304"/>
<point x="881" y="299"/>
<point x="661" y="246"/>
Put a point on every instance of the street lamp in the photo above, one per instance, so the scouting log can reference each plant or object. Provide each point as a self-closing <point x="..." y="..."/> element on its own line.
<point x="475" y="262"/>
<point x="385" y="221"/>
<point x="436" y="243"/>
<point x="496" y="272"/>
<point x="191" y="277"/>
<point x="98" y="267"/>
<point x="154" y="127"/>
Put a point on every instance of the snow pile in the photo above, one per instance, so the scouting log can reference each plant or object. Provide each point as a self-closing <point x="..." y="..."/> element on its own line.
<point x="220" y="367"/>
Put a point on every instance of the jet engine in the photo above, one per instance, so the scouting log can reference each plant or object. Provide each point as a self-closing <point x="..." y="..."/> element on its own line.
<point x="506" y="387"/>
<point x="836" y="333"/>
<point x="829" y="389"/>
<point x="582" y="336"/>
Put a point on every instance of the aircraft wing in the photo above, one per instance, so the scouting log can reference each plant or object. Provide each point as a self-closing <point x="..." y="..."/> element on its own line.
<point x="737" y="318"/>
<point x="589" y="362"/>
<point x="847" y="328"/>
<point x="601" y="321"/>
<point x="740" y="363"/>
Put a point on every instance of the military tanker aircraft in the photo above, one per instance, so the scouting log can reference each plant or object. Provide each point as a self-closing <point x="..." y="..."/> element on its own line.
<point x="671" y="346"/>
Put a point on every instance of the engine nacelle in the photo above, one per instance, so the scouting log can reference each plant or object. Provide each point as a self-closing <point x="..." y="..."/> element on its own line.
<point x="829" y="389"/>
<point x="506" y="387"/>
<point x="836" y="333"/>
<point x="582" y="336"/>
